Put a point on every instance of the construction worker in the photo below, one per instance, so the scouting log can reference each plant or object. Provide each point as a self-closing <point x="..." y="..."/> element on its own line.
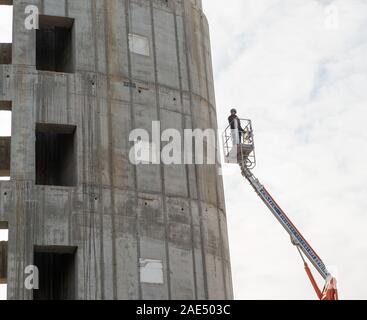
<point x="236" y="128"/>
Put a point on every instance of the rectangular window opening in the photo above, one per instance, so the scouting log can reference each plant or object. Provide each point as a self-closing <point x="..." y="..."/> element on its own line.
<point x="6" y="31"/>
<point x="56" y="155"/>
<point x="3" y="259"/>
<point x="5" y="139"/>
<point x="56" y="266"/>
<point x="55" y="44"/>
<point x="5" y="53"/>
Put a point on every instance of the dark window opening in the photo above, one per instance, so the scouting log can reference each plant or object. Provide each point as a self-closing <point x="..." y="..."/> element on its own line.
<point x="54" y="44"/>
<point x="3" y="259"/>
<point x="5" y="53"/>
<point x="55" y="155"/>
<point x="56" y="266"/>
<point x="5" y="139"/>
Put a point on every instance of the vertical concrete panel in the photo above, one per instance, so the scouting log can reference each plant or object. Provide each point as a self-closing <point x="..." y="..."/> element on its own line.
<point x="180" y="249"/>
<point x="104" y="143"/>
<point x="214" y="263"/>
<point x="108" y="251"/>
<point x="23" y="126"/>
<point x="207" y="174"/>
<point x="24" y="52"/>
<point x="219" y="182"/>
<point x="126" y="248"/>
<point x="84" y="38"/>
<point x="208" y="60"/>
<point x="199" y="257"/>
<point x="175" y="174"/>
<point x="165" y="38"/>
<point x="191" y="167"/>
<point x="148" y="175"/>
<point x="54" y="7"/>
<point x="81" y="108"/>
<point x="199" y="54"/>
<point x="117" y="50"/>
<point x="153" y="243"/>
<point x="193" y="44"/>
<point x="89" y="249"/>
<point x="99" y="31"/>
<point x="181" y="49"/>
<point x="140" y="24"/>
<point x="20" y="248"/>
<point x="5" y="201"/>
<point x="122" y="170"/>
<point x="6" y="83"/>
<point x="227" y="258"/>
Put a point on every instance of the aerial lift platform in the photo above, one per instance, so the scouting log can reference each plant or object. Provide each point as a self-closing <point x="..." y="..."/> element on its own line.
<point x="241" y="150"/>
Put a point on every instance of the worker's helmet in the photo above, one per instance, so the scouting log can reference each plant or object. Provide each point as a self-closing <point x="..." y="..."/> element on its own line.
<point x="233" y="110"/>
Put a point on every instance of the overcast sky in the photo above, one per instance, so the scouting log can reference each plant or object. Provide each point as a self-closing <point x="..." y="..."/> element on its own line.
<point x="302" y="79"/>
<point x="298" y="69"/>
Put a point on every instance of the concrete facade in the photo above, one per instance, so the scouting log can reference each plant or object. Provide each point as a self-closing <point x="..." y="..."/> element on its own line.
<point x="136" y="232"/>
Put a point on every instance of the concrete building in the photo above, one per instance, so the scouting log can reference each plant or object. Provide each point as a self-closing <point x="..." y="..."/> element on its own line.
<point x="95" y="225"/>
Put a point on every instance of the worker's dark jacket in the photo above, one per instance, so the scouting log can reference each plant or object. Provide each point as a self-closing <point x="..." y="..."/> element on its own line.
<point x="235" y="123"/>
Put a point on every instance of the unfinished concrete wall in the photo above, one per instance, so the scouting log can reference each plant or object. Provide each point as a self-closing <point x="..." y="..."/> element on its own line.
<point x="140" y="232"/>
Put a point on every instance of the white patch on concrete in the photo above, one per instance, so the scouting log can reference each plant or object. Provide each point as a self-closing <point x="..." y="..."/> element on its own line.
<point x="151" y="271"/>
<point x="139" y="44"/>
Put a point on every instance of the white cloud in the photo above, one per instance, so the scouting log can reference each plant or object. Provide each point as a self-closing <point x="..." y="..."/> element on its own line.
<point x="304" y="86"/>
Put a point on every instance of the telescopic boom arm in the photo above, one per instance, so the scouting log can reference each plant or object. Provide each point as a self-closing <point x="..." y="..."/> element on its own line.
<point x="242" y="151"/>
<point x="296" y="236"/>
